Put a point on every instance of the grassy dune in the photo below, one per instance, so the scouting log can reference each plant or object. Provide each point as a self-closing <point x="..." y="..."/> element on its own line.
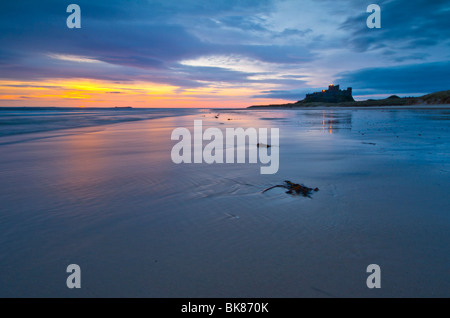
<point x="436" y="98"/>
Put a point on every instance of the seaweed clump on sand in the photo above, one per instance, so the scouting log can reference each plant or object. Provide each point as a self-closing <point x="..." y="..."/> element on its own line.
<point x="294" y="189"/>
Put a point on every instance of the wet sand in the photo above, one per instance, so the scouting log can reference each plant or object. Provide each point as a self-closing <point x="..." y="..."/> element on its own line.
<point x="109" y="199"/>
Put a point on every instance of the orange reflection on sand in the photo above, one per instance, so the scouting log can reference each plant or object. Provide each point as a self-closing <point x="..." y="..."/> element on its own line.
<point x="327" y="125"/>
<point x="85" y="159"/>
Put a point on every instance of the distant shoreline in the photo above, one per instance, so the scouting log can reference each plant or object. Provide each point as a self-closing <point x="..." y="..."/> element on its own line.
<point x="438" y="98"/>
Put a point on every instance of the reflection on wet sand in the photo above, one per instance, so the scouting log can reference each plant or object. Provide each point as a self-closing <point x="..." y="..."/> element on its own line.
<point x="333" y="122"/>
<point x="112" y="201"/>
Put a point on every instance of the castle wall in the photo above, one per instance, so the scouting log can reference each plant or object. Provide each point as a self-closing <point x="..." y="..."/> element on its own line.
<point x="332" y="95"/>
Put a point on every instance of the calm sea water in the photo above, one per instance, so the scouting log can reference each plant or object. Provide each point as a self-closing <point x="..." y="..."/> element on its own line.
<point x="23" y="120"/>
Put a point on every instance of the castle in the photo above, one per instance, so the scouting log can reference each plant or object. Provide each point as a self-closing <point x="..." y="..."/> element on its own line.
<point x="332" y="95"/>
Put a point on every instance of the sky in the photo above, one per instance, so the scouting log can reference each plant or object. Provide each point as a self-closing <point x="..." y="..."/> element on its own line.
<point x="218" y="53"/>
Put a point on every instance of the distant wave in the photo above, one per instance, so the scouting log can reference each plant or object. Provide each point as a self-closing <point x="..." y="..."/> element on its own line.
<point x="27" y="120"/>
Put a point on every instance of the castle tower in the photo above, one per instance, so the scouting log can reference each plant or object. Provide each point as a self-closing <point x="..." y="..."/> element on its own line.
<point x="332" y="95"/>
<point x="333" y="88"/>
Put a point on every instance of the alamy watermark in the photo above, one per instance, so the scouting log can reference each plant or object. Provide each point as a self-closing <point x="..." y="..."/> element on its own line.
<point x="374" y="19"/>
<point x="374" y="279"/>
<point x="189" y="148"/>
<point x="74" y="279"/>
<point x="74" y="19"/>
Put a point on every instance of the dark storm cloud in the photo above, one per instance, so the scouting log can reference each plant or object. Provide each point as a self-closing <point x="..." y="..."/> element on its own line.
<point x="213" y="74"/>
<point x="287" y="32"/>
<point x="241" y="22"/>
<point x="281" y="54"/>
<point x="404" y="24"/>
<point x="413" y="78"/>
<point x="293" y="95"/>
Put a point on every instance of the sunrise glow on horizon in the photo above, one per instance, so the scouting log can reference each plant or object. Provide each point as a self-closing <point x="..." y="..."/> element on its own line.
<point x="94" y="93"/>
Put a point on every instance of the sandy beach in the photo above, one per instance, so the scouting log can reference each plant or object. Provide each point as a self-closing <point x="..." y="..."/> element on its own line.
<point x="110" y="199"/>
